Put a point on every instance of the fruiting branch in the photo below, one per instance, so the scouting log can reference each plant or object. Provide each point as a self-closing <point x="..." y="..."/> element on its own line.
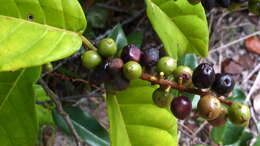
<point x="181" y="88"/>
<point x="87" y="43"/>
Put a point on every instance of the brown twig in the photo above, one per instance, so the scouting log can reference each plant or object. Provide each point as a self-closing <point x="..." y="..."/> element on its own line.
<point x="67" y="78"/>
<point x="66" y="117"/>
<point x="181" y="88"/>
<point x="174" y="85"/>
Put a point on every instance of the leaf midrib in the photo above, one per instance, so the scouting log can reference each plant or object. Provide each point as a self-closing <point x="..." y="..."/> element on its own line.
<point x="41" y="25"/>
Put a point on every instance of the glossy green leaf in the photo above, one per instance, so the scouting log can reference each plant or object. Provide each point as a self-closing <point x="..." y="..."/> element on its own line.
<point x="18" y="121"/>
<point x="136" y="38"/>
<point x="243" y="140"/>
<point x="136" y="121"/>
<point x="238" y="95"/>
<point x="182" y="27"/>
<point x="227" y="134"/>
<point x="43" y="112"/>
<point x="36" y="32"/>
<point x="189" y="60"/>
<point x="87" y="127"/>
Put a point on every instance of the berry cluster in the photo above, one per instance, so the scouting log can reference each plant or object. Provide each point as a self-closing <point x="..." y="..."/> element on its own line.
<point x="117" y="72"/>
<point x="209" y="106"/>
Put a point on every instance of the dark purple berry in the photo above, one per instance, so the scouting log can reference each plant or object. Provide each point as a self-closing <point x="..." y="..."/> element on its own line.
<point x="223" y="84"/>
<point x="100" y="74"/>
<point x="131" y="53"/>
<point x="224" y="3"/>
<point x="203" y="76"/>
<point x="181" y="107"/>
<point x="119" y="83"/>
<point x="150" y="57"/>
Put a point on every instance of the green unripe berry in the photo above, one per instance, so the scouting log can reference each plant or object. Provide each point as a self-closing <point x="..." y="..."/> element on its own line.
<point x="91" y="59"/>
<point x="162" y="97"/>
<point x="166" y="65"/>
<point x="48" y="67"/>
<point x="239" y="114"/>
<point x="107" y="47"/>
<point x="132" y="70"/>
<point x="183" y="75"/>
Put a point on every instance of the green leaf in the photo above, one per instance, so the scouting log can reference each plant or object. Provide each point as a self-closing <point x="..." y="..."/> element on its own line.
<point x="87" y="127"/>
<point x="18" y="121"/>
<point x="118" y="35"/>
<point x="227" y="134"/>
<point x="136" y="38"/>
<point x="189" y="60"/>
<point x="257" y="143"/>
<point x="53" y="33"/>
<point x="238" y="95"/>
<point x="243" y="140"/>
<point x="182" y="27"/>
<point x="44" y="114"/>
<point x="136" y="121"/>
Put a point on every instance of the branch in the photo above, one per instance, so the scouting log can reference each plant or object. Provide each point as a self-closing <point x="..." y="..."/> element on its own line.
<point x="87" y="43"/>
<point x="66" y="117"/>
<point x="181" y="88"/>
<point x="174" y="85"/>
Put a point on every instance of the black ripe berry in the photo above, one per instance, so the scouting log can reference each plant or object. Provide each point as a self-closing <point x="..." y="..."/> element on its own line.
<point x="224" y="3"/>
<point x="150" y="57"/>
<point x="223" y="84"/>
<point x="203" y="76"/>
<point x="131" y="53"/>
<point x="181" y="107"/>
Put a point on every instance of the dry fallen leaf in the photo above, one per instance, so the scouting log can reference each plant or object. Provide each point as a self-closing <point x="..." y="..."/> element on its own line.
<point x="231" y="67"/>
<point x="252" y="44"/>
<point x="246" y="61"/>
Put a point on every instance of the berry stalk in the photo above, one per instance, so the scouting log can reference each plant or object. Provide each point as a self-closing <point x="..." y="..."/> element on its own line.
<point x="163" y="82"/>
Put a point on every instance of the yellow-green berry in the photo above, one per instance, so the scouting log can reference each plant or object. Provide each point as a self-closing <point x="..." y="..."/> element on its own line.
<point x="167" y="65"/>
<point x="132" y="70"/>
<point x="239" y="114"/>
<point x="107" y="47"/>
<point x="91" y="59"/>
